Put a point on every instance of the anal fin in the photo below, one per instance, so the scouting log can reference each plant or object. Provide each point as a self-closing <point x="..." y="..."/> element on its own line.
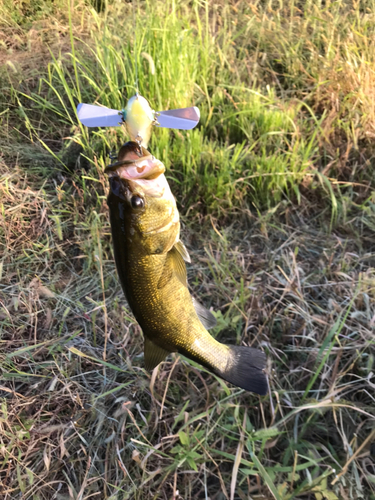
<point x="153" y="354"/>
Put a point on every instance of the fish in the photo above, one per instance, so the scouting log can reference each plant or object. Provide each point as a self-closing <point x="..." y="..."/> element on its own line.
<point x="151" y="264"/>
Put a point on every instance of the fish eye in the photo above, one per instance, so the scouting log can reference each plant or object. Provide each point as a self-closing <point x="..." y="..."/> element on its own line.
<point x="137" y="202"/>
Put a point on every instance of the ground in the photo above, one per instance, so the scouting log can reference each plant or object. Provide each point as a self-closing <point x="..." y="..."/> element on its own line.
<point x="276" y="193"/>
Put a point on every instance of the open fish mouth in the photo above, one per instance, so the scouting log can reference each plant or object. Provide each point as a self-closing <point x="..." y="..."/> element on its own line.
<point x="135" y="162"/>
<point x="140" y="171"/>
<point x="143" y="168"/>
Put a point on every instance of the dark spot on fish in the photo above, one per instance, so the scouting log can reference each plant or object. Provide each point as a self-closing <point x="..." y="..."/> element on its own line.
<point x="117" y="187"/>
<point x="121" y="210"/>
<point x="140" y="169"/>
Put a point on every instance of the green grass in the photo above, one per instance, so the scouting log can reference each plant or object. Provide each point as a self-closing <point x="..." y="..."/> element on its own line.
<point x="276" y="193"/>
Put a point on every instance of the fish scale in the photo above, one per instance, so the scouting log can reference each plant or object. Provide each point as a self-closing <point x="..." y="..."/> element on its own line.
<point x="168" y="323"/>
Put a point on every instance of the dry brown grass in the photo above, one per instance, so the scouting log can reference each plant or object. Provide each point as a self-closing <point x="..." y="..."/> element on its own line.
<point x="79" y="416"/>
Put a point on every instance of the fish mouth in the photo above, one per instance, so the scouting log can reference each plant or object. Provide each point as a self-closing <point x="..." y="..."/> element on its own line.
<point x="135" y="162"/>
<point x="139" y="170"/>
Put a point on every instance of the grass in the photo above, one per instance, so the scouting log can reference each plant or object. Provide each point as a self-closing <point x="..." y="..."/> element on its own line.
<point x="276" y="193"/>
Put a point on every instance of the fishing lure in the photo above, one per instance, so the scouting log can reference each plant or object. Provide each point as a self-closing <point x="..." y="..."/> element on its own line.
<point x="138" y="118"/>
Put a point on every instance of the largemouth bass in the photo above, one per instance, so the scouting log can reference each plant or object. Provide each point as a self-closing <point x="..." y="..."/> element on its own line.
<point x="150" y="262"/>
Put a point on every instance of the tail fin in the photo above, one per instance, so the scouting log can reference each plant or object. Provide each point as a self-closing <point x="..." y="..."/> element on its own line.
<point x="245" y="369"/>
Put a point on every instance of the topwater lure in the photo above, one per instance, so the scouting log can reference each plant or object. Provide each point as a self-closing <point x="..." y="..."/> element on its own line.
<point x="138" y="118"/>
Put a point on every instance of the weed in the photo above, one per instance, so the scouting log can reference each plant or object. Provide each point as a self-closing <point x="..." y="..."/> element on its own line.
<point x="276" y="194"/>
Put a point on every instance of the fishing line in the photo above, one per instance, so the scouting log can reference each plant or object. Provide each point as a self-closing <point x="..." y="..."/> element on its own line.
<point x="135" y="46"/>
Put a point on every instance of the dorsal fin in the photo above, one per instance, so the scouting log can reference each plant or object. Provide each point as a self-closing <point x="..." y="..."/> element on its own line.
<point x="180" y="247"/>
<point x="174" y="265"/>
<point x="153" y="354"/>
<point x="206" y="317"/>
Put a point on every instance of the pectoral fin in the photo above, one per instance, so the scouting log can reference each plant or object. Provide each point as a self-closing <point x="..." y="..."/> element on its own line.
<point x="180" y="247"/>
<point x="153" y="354"/>
<point x="206" y="317"/>
<point x="174" y="265"/>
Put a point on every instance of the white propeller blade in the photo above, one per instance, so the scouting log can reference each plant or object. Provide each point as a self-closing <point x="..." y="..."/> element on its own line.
<point x="183" y="119"/>
<point x="97" y="116"/>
